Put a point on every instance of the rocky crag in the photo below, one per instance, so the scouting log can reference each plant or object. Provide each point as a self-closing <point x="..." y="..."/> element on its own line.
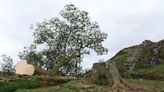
<point x="131" y="58"/>
<point x="139" y="55"/>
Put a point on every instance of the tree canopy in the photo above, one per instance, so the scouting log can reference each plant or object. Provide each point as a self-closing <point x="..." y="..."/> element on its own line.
<point x="7" y="65"/>
<point x="64" y="41"/>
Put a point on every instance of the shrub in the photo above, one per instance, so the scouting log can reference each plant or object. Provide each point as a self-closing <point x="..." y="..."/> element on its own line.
<point x="161" y="54"/>
<point x="7" y="65"/>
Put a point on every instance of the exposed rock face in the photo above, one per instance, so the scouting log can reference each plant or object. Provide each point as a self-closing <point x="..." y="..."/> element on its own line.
<point x="140" y="55"/>
<point x="22" y="68"/>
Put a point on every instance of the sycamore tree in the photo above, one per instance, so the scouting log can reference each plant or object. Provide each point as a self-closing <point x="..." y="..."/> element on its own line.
<point x="67" y="39"/>
<point x="64" y="41"/>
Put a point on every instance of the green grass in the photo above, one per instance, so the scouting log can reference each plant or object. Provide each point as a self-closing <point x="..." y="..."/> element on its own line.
<point x="67" y="87"/>
<point x="74" y="87"/>
<point x="157" y="85"/>
<point x="151" y="69"/>
<point x="22" y="83"/>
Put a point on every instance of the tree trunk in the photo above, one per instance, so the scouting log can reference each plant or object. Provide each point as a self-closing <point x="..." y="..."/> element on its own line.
<point x="55" y="70"/>
<point x="119" y="84"/>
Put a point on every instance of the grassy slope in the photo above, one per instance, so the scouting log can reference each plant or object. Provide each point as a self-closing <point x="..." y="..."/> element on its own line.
<point x="158" y="86"/>
<point x="22" y="83"/>
<point x="152" y="69"/>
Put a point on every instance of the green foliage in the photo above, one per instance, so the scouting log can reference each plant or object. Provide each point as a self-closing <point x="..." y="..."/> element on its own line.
<point x="33" y="56"/>
<point x="7" y="65"/>
<point x="65" y="41"/>
<point x="161" y="54"/>
<point x="19" y="84"/>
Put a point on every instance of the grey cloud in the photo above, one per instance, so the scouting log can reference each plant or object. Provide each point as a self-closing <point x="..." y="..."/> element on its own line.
<point x="127" y="22"/>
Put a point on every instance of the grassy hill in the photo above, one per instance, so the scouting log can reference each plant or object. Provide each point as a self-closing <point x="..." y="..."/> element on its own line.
<point x="137" y="58"/>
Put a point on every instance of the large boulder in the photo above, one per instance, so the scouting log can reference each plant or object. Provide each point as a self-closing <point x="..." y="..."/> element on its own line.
<point x="23" y="68"/>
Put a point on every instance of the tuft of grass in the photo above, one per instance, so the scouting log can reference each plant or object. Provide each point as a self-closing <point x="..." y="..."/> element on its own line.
<point x="67" y="87"/>
<point x="152" y="69"/>
<point x="19" y="84"/>
<point x="72" y="86"/>
<point x="156" y="84"/>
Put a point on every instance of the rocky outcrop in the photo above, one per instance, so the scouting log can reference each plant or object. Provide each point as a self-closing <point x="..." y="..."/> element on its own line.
<point x="133" y="57"/>
<point x="140" y="55"/>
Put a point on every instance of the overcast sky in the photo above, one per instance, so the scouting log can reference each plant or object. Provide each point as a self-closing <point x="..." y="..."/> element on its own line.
<point x="127" y="22"/>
